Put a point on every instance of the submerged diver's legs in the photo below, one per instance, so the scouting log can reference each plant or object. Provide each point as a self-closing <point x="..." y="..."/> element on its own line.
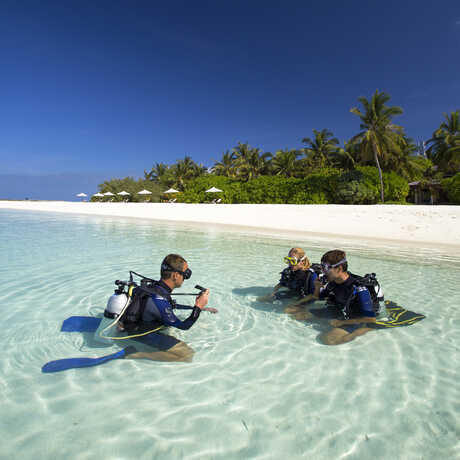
<point x="299" y="312"/>
<point x="168" y="348"/>
<point x="266" y="298"/>
<point x="337" y="335"/>
<point x="179" y="352"/>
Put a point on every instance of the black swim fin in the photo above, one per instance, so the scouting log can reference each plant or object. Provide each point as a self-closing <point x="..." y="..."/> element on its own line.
<point x="397" y="316"/>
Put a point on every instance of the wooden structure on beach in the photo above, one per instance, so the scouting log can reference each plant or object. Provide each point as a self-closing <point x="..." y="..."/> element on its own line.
<point x="426" y="192"/>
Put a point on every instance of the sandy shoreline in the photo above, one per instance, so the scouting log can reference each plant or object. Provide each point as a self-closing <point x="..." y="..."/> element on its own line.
<point x="438" y="225"/>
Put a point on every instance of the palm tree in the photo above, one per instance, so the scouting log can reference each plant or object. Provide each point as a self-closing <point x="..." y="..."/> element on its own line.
<point x="185" y="170"/>
<point x="250" y="162"/>
<point x="445" y="144"/>
<point x="225" y="167"/>
<point x="284" y="163"/>
<point x="379" y="135"/>
<point x="157" y="172"/>
<point x="321" y="148"/>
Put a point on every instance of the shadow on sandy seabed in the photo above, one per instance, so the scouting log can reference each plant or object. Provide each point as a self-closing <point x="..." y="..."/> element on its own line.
<point x="255" y="292"/>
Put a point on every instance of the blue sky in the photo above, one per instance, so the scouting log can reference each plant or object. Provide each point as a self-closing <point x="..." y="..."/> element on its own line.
<point x="96" y="90"/>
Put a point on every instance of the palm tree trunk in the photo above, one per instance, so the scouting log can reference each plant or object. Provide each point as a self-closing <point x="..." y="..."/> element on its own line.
<point x="380" y="174"/>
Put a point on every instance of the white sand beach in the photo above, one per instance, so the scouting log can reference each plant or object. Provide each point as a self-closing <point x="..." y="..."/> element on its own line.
<point x="438" y="225"/>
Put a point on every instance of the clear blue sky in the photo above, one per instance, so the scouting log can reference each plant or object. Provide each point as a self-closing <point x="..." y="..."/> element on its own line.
<point x="105" y="89"/>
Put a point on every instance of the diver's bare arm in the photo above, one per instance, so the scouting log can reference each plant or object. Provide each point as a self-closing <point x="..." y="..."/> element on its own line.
<point x="305" y="299"/>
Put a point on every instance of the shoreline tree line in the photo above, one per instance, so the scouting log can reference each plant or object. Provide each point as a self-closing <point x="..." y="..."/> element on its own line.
<point x="376" y="165"/>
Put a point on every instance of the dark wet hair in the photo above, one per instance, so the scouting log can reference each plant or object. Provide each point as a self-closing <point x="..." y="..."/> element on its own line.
<point x="335" y="256"/>
<point x="174" y="261"/>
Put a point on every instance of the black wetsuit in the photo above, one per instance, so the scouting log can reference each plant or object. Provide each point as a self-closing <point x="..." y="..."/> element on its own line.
<point x="299" y="282"/>
<point x="346" y="300"/>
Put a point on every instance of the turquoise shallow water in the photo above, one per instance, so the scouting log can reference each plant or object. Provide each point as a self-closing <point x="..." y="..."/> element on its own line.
<point x="260" y="386"/>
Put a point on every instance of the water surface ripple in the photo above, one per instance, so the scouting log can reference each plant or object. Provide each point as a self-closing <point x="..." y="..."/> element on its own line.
<point x="261" y="385"/>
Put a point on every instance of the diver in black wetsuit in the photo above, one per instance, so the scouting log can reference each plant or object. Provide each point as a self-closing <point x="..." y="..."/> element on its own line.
<point x="350" y="304"/>
<point x="297" y="280"/>
<point x="159" y="308"/>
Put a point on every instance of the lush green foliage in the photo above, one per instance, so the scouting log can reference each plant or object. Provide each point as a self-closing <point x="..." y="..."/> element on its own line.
<point x="130" y="185"/>
<point x="445" y="144"/>
<point x="379" y="160"/>
<point x="360" y="186"/>
<point x="452" y="188"/>
<point x="176" y="175"/>
<point x="379" y="136"/>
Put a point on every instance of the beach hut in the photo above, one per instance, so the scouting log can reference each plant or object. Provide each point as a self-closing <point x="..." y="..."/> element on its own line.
<point x="426" y="192"/>
<point x="215" y="190"/>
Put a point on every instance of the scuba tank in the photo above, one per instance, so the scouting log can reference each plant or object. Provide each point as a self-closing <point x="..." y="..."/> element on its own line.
<point x="117" y="301"/>
<point x="115" y="305"/>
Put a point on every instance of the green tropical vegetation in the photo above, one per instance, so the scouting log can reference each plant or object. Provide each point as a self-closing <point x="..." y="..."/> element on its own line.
<point x="375" y="165"/>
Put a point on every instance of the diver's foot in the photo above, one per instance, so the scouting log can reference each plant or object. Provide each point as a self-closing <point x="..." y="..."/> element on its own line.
<point x="129" y="350"/>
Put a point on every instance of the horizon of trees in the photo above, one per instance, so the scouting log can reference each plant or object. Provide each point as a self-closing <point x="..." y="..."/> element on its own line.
<point x="379" y="143"/>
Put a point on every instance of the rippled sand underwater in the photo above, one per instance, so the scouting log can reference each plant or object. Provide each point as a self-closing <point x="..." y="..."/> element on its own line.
<point x="260" y="386"/>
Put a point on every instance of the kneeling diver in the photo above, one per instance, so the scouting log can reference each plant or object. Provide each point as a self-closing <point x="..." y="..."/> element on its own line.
<point x="159" y="309"/>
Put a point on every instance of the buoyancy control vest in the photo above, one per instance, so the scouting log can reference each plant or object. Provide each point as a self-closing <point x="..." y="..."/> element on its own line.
<point x="349" y="306"/>
<point x="131" y="320"/>
<point x="298" y="280"/>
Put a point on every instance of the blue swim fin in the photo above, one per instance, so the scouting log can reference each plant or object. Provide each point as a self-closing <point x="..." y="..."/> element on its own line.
<point x="73" y="363"/>
<point x="81" y="324"/>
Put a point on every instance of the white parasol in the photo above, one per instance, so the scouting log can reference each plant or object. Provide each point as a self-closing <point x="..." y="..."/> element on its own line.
<point x="171" y="190"/>
<point x="213" y="190"/>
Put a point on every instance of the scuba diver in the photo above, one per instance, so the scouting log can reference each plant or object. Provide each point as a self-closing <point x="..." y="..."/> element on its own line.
<point x="353" y="302"/>
<point x="154" y="307"/>
<point x="297" y="279"/>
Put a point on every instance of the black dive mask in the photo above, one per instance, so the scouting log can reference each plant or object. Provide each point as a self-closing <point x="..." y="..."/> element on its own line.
<point x="167" y="268"/>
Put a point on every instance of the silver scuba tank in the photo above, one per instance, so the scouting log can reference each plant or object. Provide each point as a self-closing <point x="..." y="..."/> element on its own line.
<point x="115" y="305"/>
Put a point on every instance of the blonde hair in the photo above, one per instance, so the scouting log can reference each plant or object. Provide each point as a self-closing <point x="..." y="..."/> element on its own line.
<point x="300" y="254"/>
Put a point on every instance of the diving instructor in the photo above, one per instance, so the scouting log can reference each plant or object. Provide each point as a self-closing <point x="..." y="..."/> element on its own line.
<point x="159" y="308"/>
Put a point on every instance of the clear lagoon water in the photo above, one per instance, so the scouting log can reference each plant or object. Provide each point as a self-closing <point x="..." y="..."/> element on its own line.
<point x="261" y="386"/>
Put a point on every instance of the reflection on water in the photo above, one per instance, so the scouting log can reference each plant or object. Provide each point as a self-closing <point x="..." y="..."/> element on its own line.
<point x="260" y="386"/>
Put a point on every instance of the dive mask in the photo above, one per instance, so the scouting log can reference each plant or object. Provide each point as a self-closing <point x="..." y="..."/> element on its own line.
<point x="186" y="274"/>
<point x="293" y="261"/>
<point x="325" y="267"/>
